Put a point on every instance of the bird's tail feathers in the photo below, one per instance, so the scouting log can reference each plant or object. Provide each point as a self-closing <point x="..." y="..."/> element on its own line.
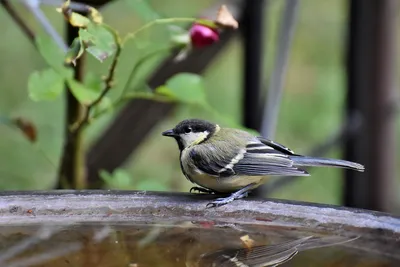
<point x="311" y="161"/>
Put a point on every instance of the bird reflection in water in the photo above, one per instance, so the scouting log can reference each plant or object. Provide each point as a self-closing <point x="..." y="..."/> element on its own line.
<point x="265" y="255"/>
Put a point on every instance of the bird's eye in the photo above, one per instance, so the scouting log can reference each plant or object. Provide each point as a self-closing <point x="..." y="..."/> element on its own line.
<point x="188" y="129"/>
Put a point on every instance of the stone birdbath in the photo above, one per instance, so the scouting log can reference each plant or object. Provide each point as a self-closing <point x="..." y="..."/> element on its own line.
<point x="141" y="228"/>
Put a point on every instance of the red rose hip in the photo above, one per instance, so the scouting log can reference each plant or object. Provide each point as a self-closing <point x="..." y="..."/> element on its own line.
<point x="202" y="35"/>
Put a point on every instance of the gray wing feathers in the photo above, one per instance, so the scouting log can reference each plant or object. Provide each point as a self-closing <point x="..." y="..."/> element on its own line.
<point x="210" y="164"/>
<point x="311" y="161"/>
<point x="264" y="157"/>
<point x="254" y="164"/>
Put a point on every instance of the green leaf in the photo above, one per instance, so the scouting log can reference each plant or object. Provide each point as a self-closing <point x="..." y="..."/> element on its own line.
<point x="122" y="178"/>
<point x="84" y="94"/>
<point x="88" y="92"/>
<point x="181" y="39"/>
<point x="75" y="51"/>
<point x="179" y="36"/>
<point x="185" y="87"/>
<point x="53" y="55"/>
<point x="93" y="81"/>
<point x="50" y="51"/>
<point x="106" y="176"/>
<point x="143" y="9"/>
<point x="100" y="42"/>
<point x="105" y="104"/>
<point x="45" y="85"/>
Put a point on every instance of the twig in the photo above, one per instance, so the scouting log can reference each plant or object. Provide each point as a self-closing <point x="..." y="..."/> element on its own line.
<point x="157" y="22"/>
<point x="34" y="7"/>
<point x="108" y="85"/>
<point x="275" y="87"/>
<point x="71" y="173"/>
<point x="19" y="21"/>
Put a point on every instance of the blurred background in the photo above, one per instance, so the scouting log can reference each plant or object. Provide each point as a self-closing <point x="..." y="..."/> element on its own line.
<point x="322" y="86"/>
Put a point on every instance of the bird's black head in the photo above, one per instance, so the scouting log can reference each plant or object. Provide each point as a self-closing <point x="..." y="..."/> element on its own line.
<point x="192" y="131"/>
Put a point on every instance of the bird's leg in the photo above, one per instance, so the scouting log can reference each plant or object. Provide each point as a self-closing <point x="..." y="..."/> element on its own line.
<point x="237" y="195"/>
<point x="201" y="190"/>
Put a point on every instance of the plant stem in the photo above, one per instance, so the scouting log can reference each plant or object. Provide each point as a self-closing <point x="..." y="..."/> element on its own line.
<point x="71" y="173"/>
<point x="108" y="85"/>
<point x="73" y="162"/>
<point x="157" y="22"/>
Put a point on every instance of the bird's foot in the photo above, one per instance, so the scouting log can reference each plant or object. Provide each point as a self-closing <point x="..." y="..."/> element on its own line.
<point x="225" y="200"/>
<point x="242" y="193"/>
<point x="200" y="190"/>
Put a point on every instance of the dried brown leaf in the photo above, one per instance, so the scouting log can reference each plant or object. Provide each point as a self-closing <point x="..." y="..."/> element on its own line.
<point x="95" y="15"/>
<point x="27" y="128"/>
<point x="75" y="19"/>
<point x="225" y="18"/>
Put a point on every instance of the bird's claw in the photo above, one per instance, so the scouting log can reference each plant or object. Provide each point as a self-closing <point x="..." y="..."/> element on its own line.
<point x="225" y="200"/>
<point x="220" y="202"/>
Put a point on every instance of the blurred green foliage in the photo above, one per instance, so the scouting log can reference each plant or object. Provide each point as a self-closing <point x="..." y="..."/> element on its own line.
<point x="312" y="105"/>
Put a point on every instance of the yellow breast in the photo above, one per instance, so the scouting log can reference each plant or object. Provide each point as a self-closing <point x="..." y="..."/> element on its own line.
<point x="226" y="184"/>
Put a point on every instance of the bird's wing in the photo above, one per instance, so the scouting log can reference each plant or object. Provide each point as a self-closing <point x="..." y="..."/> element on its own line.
<point x="258" y="158"/>
<point x="276" y="146"/>
<point x="261" y="159"/>
<point x="209" y="163"/>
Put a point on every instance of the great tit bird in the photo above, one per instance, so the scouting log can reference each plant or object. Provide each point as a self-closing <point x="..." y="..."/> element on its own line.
<point x="225" y="160"/>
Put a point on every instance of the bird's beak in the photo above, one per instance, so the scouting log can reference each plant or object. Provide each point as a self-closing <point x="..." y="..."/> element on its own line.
<point x="169" y="133"/>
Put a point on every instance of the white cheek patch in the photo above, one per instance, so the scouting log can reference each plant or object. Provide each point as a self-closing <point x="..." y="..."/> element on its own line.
<point x="193" y="138"/>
